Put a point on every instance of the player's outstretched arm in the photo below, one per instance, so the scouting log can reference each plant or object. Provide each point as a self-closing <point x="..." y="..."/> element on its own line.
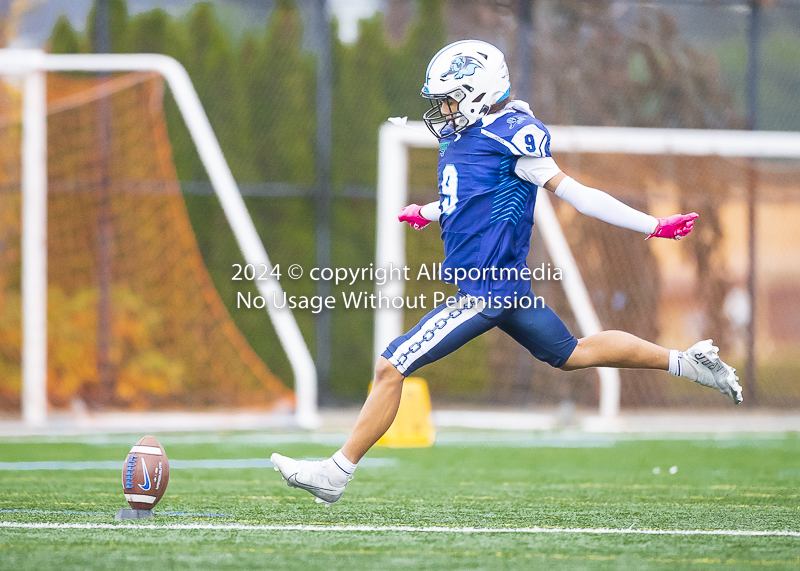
<point x="420" y="216"/>
<point x="600" y="205"/>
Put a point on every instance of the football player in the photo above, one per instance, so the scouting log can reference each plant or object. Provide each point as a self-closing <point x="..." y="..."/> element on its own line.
<point x="494" y="156"/>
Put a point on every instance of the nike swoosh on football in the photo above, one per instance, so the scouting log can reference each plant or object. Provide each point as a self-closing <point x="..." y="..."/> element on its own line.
<point x="146" y="485"/>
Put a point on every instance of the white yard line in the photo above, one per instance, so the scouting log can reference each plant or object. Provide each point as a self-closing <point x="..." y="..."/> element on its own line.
<point x="72" y="512"/>
<point x="402" y="528"/>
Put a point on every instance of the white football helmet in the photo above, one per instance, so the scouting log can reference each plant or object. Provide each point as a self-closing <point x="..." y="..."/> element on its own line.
<point x="472" y="72"/>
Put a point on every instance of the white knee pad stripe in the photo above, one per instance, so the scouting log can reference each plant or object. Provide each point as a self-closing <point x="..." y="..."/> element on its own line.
<point x="432" y="332"/>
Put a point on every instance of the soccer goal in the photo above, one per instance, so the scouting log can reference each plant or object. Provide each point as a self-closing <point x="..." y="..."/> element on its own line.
<point x="94" y="152"/>
<point x="667" y="292"/>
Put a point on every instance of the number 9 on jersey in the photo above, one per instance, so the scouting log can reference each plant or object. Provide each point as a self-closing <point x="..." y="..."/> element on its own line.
<point x="449" y="188"/>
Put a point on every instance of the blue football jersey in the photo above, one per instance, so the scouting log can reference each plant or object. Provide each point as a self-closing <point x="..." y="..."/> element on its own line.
<point x="487" y="210"/>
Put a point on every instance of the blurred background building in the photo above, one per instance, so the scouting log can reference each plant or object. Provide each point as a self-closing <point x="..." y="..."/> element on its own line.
<point x="297" y="106"/>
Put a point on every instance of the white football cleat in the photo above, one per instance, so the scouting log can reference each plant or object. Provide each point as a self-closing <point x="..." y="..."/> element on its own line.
<point x="311" y="476"/>
<point x="703" y="360"/>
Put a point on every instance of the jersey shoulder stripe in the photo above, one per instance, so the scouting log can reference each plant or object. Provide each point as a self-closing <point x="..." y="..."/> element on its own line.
<point x="507" y="144"/>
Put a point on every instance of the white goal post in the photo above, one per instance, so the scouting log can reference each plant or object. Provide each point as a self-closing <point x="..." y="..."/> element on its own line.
<point x="395" y="141"/>
<point x="33" y="65"/>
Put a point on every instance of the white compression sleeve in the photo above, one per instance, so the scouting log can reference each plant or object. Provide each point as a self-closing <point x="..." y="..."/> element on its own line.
<point x="431" y="211"/>
<point x="598" y="204"/>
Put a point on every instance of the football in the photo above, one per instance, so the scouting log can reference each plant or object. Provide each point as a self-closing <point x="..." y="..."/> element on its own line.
<point x="146" y="474"/>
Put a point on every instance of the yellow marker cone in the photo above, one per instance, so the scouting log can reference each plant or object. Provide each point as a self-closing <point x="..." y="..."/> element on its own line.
<point x="413" y="426"/>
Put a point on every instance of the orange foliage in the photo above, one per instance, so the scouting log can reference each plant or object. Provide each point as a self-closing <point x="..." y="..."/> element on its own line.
<point x="121" y="252"/>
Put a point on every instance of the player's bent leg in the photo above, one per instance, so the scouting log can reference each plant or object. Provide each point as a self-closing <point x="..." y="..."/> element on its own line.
<point x="700" y="363"/>
<point x="440" y="332"/>
<point x="542" y="332"/>
<point x="617" y="349"/>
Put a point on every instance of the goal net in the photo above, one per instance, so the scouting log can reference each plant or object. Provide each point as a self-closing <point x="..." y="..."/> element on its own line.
<point x="133" y="319"/>
<point x="672" y="293"/>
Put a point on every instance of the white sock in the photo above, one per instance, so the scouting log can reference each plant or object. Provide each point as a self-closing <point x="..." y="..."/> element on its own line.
<point x="679" y="367"/>
<point x="342" y="469"/>
<point x="675" y="362"/>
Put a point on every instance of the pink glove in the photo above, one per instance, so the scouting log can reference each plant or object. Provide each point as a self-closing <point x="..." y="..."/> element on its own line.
<point x="676" y="226"/>
<point x="412" y="214"/>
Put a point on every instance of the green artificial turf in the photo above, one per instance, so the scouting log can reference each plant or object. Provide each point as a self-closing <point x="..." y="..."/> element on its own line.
<point x="485" y="480"/>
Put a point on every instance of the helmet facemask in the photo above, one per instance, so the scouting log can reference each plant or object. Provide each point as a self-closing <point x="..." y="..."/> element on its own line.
<point x="443" y="124"/>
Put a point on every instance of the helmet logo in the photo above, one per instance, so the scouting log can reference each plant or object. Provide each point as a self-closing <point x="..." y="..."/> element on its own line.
<point x="462" y="66"/>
